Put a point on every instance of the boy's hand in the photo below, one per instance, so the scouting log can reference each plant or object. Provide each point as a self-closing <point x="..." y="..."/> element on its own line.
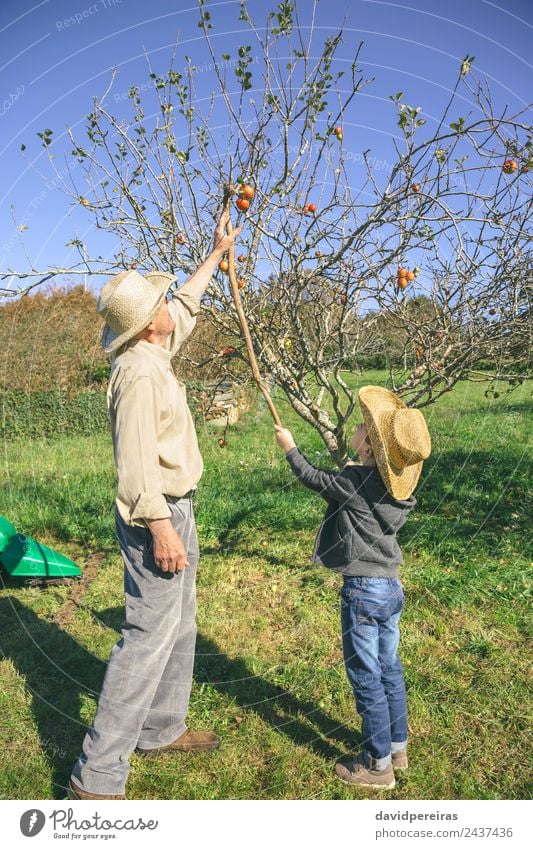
<point x="284" y="438"/>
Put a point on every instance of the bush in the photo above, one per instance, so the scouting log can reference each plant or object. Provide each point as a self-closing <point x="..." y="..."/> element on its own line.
<point x="51" y="412"/>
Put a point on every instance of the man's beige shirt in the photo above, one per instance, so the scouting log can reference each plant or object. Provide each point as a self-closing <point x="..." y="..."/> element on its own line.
<point x="154" y="440"/>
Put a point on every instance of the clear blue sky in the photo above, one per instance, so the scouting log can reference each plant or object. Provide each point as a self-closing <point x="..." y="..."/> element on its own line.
<point x="52" y="66"/>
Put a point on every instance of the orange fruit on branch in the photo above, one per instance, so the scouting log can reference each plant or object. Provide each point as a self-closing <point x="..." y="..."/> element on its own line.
<point x="247" y="192"/>
<point x="242" y="204"/>
<point x="224" y="265"/>
<point x="509" y="166"/>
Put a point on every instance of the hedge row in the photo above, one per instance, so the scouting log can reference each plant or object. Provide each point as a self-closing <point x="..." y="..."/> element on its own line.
<point x="49" y="413"/>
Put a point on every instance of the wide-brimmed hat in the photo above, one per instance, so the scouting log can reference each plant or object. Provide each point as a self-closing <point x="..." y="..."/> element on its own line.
<point x="128" y="302"/>
<point x="399" y="437"/>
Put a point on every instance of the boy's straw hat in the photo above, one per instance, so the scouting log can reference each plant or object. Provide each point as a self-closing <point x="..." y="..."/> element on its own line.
<point x="128" y="302"/>
<point x="399" y="437"/>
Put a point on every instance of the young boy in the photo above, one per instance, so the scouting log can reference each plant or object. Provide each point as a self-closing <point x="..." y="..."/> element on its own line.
<point x="367" y="505"/>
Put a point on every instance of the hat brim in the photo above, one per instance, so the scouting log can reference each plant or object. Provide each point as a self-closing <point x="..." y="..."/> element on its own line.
<point x="376" y="403"/>
<point x="161" y="281"/>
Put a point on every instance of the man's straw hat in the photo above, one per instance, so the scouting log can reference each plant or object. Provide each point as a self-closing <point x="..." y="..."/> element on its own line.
<point x="399" y="437"/>
<point x="128" y="302"/>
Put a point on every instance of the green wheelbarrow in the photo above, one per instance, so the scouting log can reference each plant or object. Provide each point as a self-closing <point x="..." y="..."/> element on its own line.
<point x="24" y="557"/>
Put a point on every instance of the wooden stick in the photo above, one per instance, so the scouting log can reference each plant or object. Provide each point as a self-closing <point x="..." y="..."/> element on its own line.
<point x="228" y="192"/>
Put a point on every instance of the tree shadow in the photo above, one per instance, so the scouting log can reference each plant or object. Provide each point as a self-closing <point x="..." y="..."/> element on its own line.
<point x="59" y="672"/>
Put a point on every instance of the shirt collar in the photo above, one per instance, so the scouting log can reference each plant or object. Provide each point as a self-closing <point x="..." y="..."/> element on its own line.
<point x="156" y="352"/>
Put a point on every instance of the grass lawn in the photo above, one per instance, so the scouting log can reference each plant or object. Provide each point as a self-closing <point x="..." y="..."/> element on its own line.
<point x="269" y="676"/>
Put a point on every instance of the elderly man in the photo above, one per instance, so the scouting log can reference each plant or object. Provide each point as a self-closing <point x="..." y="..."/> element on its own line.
<point x="146" y="689"/>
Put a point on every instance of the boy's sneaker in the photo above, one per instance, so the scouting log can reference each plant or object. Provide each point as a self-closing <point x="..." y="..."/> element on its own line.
<point x="356" y="772"/>
<point x="399" y="759"/>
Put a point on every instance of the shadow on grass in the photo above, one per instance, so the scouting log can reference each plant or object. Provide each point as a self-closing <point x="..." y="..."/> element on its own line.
<point x="300" y="720"/>
<point x="58" y="673"/>
<point x="485" y="489"/>
<point x="290" y="716"/>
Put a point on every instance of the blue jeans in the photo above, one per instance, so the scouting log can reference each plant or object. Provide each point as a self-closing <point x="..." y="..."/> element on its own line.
<point x="370" y="614"/>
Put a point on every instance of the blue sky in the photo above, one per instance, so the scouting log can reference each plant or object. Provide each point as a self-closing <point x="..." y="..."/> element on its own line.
<point x="57" y="55"/>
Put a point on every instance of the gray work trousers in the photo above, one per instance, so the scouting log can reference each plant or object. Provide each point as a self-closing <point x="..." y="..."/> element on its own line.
<point x="146" y="689"/>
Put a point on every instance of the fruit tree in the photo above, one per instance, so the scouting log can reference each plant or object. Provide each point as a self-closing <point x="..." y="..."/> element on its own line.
<point x="335" y="250"/>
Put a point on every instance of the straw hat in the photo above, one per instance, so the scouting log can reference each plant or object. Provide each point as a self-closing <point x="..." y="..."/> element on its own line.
<point x="128" y="302"/>
<point x="399" y="437"/>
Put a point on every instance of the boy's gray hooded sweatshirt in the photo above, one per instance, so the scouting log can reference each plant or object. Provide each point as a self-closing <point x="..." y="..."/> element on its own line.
<point x="358" y="532"/>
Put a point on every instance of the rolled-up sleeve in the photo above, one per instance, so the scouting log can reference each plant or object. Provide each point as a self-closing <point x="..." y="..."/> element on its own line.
<point x="140" y="485"/>
<point x="183" y="309"/>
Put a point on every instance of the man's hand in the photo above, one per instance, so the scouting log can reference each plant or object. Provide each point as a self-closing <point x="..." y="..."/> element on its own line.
<point x="199" y="281"/>
<point x="169" y="551"/>
<point x="284" y="438"/>
<point x="221" y="240"/>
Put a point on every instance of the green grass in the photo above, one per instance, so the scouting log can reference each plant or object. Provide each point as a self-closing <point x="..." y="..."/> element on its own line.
<point x="269" y="675"/>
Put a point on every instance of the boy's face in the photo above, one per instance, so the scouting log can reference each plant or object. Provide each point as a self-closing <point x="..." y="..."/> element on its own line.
<point x="360" y="440"/>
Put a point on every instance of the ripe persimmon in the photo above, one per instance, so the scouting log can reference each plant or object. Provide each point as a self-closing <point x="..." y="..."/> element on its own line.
<point x="509" y="166"/>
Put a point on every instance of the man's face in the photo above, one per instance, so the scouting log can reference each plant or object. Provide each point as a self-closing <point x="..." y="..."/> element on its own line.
<point x="163" y="324"/>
